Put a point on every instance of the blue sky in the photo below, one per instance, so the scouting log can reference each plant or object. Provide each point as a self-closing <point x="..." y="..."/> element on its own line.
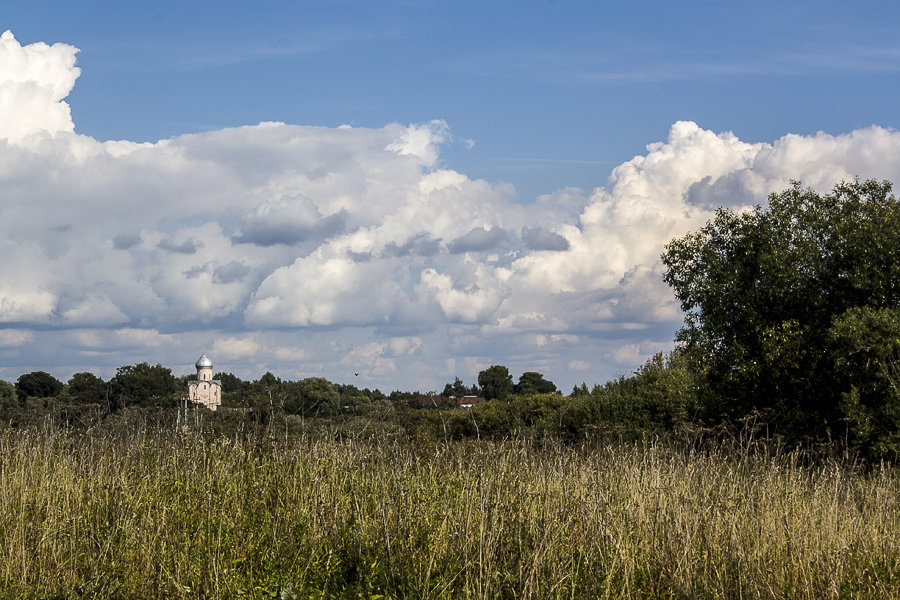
<point x="551" y="93"/>
<point x="500" y="103"/>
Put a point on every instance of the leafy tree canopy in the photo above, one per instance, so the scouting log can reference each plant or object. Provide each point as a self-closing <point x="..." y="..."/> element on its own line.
<point x="267" y="382"/>
<point x="763" y="289"/>
<point x="531" y="382"/>
<point x="496" y="383"/>
<point x="865" y="346"/>
<point x="230" y="382"/>
<point x="38" y="384"/>
<point x="458" y="389"/>
<point x="311" y="396"/>
<point x="7" y="394"/>
<point x="143" y="384"/>
<point x="87" y="388"/>
<point x="581" y="390"/>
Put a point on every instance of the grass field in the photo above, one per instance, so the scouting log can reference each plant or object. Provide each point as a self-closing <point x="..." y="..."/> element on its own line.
<point x="153" y="515"/>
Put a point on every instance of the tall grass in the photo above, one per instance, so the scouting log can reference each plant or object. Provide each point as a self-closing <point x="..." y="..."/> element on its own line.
<point x="164" y="516"/>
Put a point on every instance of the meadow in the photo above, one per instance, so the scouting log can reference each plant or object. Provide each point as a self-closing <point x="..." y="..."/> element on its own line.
<point x="159" y="514"/>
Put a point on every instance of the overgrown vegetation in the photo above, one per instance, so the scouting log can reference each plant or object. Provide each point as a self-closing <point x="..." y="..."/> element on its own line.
<point x="144" y="514"/>
<point x="793" y="313"/>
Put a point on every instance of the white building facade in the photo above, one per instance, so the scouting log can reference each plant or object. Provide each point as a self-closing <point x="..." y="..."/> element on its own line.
<point x="205" y="390"/>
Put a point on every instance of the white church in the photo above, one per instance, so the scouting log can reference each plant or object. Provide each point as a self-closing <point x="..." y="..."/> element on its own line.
<point x="205" y="390"/>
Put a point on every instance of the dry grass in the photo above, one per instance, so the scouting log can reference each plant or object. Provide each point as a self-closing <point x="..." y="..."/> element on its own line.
<point x="179" y="517"/>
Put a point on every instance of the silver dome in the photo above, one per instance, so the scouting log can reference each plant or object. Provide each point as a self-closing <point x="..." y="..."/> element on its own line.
<point x="203" y="362"/>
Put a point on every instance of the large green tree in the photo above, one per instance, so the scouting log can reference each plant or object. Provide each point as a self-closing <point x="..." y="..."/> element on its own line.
<point x="87" y="388"/>
<point x="532" y="382"/>
<point x="313" y="396"/>
<point x="496" y="383"/>
<point x="38" y="384"/>
<point x="144" y="384"/>
<point x="762" y="289"/>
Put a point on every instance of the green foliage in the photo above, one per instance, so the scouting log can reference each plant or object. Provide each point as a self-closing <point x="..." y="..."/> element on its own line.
<point x="658" y="398"/>
<point x="531" y="382"/>
<point x="399" y="398"/>
<point x="458" y="389"/>
<point x="144" y="385"/>
<point x="496" y="383"/>
<point x="313" y="396"/>
<point x="761" y="290"/>
<point x="581" y="390"/>
<point x="495" y="419"/>
<point x="541" y="413"/>
<point x="267" y="382"/>
<point x="229" y="380"/>
<point x="87" y="388"/>
<point x="8" y="397"/>
<point x="38" y="384"/>
<point x="535" y="416"/>
<point x="361" y="401"/>
<point x="234" y="389"/>
<point x="264" y="396"/>
<point x="866" y="350"/>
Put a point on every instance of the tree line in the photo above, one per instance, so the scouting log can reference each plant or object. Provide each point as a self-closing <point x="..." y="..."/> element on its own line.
<point x="143" y="386"/>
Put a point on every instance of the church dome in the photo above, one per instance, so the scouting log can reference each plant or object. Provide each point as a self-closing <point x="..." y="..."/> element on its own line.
<point x="203" y="362"/>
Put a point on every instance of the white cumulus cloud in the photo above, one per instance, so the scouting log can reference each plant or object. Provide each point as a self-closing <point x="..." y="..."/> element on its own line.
<point x="34" y="80"/>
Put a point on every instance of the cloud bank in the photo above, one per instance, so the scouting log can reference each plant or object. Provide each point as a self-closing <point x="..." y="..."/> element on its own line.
<point x="328" y="251"/>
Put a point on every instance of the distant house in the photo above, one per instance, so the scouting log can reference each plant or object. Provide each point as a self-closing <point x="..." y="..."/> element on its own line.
<point x="437" y="401"/>
<point x="466" y="401"/>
